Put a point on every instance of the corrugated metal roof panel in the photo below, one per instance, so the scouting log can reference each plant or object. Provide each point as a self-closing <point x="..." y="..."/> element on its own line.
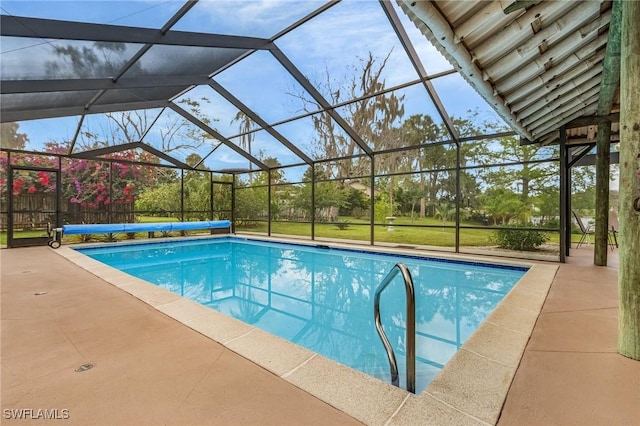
<point x="539" y="66"/>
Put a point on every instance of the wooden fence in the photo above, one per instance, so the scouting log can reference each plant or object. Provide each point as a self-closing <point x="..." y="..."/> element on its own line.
<point x="34" y="211"/>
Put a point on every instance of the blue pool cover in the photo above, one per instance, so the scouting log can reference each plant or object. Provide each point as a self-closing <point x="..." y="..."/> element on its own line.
<point x="104" y="228"/>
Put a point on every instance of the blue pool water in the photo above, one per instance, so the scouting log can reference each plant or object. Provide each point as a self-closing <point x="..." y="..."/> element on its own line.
<point x="322" y="298"/>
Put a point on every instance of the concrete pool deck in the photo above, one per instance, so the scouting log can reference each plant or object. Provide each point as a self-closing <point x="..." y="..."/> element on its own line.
<point x="151" y="369"/>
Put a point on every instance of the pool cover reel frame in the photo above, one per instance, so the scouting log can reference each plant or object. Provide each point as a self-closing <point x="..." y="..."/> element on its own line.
<point x="56" y="234"/>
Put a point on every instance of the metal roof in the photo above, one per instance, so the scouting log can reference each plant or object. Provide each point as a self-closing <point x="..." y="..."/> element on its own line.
<point x="539" y="64"/>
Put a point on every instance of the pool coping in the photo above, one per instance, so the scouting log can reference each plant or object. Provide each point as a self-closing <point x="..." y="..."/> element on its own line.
<point x="470" y="389"/>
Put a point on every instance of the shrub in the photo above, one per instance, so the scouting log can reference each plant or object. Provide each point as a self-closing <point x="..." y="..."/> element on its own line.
<point x="358" y="212"/>
<point x="342" y="225"/>
<point x="513" y="239"/>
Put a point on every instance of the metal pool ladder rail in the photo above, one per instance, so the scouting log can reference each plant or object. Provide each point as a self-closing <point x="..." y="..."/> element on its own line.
<point x="411" y="326"/>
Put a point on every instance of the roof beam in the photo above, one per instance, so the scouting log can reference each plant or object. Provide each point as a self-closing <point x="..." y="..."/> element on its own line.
<point x="306" y="85"/>
<point x="512" y="32"/>
<point x="520" y="4"/>
<point x="554" y="136"/>
<point x="14" y="26"/>
<point x="590" y="160"/>
<point x="567" y="50"/>
<point x="253" y="116"/>
<point x="217" y="135"/>
<point x="480" y="25"/>
<point x="144" y="49"/>
<point x="393" y="18"/>
<point x="591" y="120"/>
<point x="55" y="112"/>
<point x="73" y="85"/>
<point x="95" y="153"/>
<point x="582" y="60"/>
<point x="582" y="151"/>
<point x="76" y="134"/>
<point x="611" y="64"/>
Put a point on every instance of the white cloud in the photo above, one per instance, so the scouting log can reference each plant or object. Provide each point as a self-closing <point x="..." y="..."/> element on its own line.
<point x="259" y="18"/>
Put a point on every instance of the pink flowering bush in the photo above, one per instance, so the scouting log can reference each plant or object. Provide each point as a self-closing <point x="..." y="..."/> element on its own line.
<point x="84" y="182"/>
<point x="26" y="181"/>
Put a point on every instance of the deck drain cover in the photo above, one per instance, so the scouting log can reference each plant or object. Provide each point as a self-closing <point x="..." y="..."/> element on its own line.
<point x="39" y="293"/>
<point x="84" y="367"/>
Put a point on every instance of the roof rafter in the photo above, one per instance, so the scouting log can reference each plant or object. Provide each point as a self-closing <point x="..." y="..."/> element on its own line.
<point x="253" y="116"/>
<point x="592" y="119"/>
<point x="417" y="64"/>
<point x="144" y="49"/>
<point x="95" y="153"/>
<point x="13" y="26"/>
<point x="306" y="85"/>
<point x="56" y="112"/>
<point x="217" y="135"/>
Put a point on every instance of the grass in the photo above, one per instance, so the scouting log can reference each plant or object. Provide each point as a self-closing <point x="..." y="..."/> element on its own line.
<point x="152" y="219"/>
<point x="438" y="234"/>
<point x="407" y="232"/>
<point x="22" y="234"/>
<point x="442" y="237"/>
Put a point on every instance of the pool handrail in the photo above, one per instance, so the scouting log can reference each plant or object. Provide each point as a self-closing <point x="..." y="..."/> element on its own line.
<point x="411" y="326"/>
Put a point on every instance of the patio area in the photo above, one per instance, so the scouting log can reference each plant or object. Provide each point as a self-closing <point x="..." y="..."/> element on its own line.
<point x="151" y="369"/>
<point x="571" y="373"/>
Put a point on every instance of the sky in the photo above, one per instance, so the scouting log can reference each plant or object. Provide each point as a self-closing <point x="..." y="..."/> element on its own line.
<point x="329" y="50"/>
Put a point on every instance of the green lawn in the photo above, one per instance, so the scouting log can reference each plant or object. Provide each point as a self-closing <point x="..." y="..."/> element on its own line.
<point x="151" y="219"/>
<point x="357" y="230"/>
<point x="436" y="235"/>
<point x="22" y="234"/>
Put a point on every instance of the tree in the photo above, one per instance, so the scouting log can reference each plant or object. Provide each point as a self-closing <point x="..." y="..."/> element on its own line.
<point x="384" y="206"/>
<point x="245" y="125"/>
<point x="372" y="116"/>
<point x="548" y="204"/>
<point x="10" y="138"/>
<point x="525" y="170"/>
<point x="330" y="196"/>
<point x="274" y="165"/>
<point x="356" y="203"/>
<point x="410" y="195"/>
<point x="98" y="59"/>
<point x="193" y="159"/>
<point x="88" y="185"/>
<point x="162" y="199"/>
<point x="501" y="203"/>
<point x="444" y="210"/>
<point x="95" y="184"/>
<point x="528" y="177"/>
<point x="251" y="203"/>
<point x="435" y="161"/>
<point x="419" y="130"/>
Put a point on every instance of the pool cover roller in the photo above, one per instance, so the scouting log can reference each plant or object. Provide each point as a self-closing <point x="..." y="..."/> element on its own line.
<point x="113" y="228"/>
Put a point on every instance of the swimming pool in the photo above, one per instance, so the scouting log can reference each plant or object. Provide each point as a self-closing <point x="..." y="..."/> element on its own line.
<point x="322" y="298"/>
